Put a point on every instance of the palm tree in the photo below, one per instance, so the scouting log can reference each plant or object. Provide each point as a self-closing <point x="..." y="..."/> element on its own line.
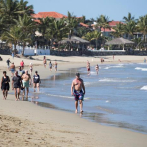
<point x="57" y="30"/>
<point x="119" y="30"/>
<point x="130" y="28"/>
<point x="44" y="24"/>
<point x="81" y="31"/>
<point x="24" y="39"/>
<point x="129" y="18"/>
<point x="27" y="9"/>
<point x="10" y="10"/>
<point x="12" y="36"/>
<point x="72" y="23"/>
<point x="142" y="26"/>
<point x="103" y="22"/>
<point x="95" y="35"/>
<point x="25" y="23"/>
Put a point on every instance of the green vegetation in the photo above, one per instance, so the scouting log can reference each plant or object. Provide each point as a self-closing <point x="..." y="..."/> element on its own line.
<point x="17" y="26"/>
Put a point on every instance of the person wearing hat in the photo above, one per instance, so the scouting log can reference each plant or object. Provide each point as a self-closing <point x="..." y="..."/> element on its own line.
<point x="78" y="91"/>
<point x="36" y="81"/>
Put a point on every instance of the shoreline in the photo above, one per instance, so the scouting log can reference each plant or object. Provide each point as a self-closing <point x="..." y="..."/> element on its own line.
<point x="85" y="114"/>
<point x="60" y="128"/>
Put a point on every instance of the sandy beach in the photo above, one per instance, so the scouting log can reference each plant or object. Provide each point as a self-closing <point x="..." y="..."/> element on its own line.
<point x="23" y="123"/>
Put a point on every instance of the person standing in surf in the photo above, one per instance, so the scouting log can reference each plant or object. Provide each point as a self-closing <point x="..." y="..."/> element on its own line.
<point x="78" y="91"/>
<point x="5" y="85"/>
<point x="36" y="81"/>
<point x="88" y="68"/>
<point x="97" y="69"/>
<point x="26" y="82"/>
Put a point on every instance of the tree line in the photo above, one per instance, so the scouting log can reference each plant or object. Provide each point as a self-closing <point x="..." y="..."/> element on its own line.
<point x="17" y="26"/>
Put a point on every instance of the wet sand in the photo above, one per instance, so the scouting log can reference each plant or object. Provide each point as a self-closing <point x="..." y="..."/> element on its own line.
<point x="24" y="124"/>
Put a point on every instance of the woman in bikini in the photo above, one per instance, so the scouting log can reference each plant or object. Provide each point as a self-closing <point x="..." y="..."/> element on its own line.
<point x="5" y="84"/>
<point x="97" y="69"/>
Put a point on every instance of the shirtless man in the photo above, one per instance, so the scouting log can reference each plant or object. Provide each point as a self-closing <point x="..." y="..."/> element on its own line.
<point x="12" y="68"/>
<point x="26" y="82"/>
<point x="78" y="90"/>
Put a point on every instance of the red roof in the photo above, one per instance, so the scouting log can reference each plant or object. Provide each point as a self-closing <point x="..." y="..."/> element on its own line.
<point x="48" y="14"/>
<point x="107" y="30"/>
<point x="84" y="25"/>
<point x="36" y="20"/>
<point x="114" y="23"/>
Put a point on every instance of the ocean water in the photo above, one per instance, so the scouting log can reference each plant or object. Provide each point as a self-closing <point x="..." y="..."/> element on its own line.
<point x="117" y="96"/>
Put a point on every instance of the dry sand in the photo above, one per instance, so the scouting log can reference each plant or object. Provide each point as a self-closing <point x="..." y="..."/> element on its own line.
<point x="23" y="123"/>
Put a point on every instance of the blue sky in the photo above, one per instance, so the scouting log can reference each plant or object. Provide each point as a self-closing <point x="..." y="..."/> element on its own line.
<point x="114" y="9"/>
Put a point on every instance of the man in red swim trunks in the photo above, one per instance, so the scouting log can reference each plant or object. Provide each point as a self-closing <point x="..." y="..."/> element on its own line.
<point x="78" y="90"/>
<point x="22" y="64"/>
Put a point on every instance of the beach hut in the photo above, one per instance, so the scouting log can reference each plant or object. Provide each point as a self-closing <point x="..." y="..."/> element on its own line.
<point x="74" y="39"/>
<point x="119" y="41"/>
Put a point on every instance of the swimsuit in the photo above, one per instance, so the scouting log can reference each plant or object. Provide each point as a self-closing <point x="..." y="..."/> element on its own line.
<point x="36" y="78"/>
<point x="50" y="65"/>
<point x="12" y="70"/>
<point x="5" y="86"/>
<point x="25" y="84"/>
<point x="79" y="95"/>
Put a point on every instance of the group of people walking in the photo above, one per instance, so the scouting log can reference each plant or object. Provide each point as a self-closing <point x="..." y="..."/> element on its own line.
<point x="21" y="81"/>
<point x="50" y="64"/>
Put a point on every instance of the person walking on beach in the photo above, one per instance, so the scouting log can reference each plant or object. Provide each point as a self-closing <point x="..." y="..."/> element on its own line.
<point x="8" y="63"/>
<point x="50" y="66"/>
<point x="31" y="68"/>
<point x="26" y="82"/>
<point x="12" y="69"/>
<point x="22" y="64"/>
<point x="12" y="55"/>
<point x="44" y="61"/>
<point x="36" y="81"/>
<point x="16" y="85"/>
<point x="97" y="69"/>
<point x="55" y="65"/>
<point x="20" y="71"/>
<point x="5" y="85"/>
<point x="78" y="90"/>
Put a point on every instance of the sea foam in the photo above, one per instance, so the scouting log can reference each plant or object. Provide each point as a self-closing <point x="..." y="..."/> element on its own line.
<point x="140" y="68"/>
<point x="115" y="80"/>
<point x="118" y="66"/>
<point x="144" y="88"/>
